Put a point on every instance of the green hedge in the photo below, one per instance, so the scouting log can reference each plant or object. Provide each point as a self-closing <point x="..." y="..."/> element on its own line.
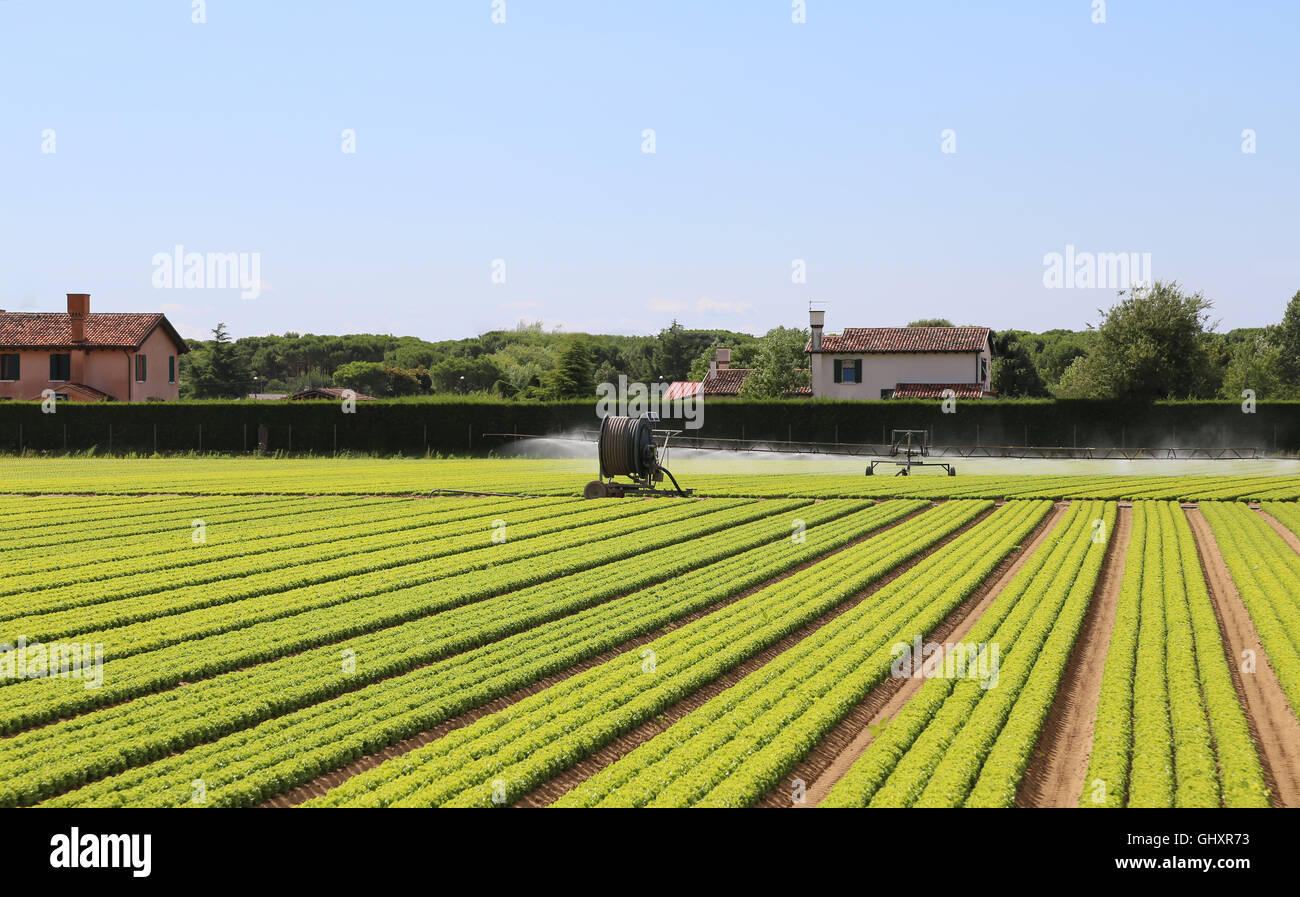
<point x="459" y="425"/>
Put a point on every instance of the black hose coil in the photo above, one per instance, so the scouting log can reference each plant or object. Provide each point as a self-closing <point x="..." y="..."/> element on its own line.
<point x="623" y="443"/>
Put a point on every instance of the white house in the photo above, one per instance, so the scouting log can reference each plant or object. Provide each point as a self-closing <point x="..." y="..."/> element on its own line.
<point x="899" y="362"/>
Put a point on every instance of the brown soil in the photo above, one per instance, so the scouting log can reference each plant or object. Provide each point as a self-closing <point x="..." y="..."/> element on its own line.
<point x="841" y="747"/>
<point x="1273" y="723"/>
<point x="330" y="780"/>
<point x="1059" y="766"/>
<point x="629" y="741"/>
<point x="1280" y="528"/>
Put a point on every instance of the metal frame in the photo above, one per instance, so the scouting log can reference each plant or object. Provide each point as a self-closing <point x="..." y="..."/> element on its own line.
<point x="911" y="444"/>
<point x="867" y="449"/>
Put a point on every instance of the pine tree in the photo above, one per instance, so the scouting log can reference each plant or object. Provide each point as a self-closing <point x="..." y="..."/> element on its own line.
<point x="572" y="377"/>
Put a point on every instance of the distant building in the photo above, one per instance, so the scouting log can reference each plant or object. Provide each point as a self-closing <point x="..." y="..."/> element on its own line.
<point x="682" y="389"/>
<point x="722" y="380"/>
<point x="899" y="362"/>
<point x="267" y="396"/>
<point x="84" y="357"/>
<point x="335" y="393"/>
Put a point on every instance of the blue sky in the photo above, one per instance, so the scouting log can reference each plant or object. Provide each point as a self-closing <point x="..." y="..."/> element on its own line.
<point x="522" y="141"/>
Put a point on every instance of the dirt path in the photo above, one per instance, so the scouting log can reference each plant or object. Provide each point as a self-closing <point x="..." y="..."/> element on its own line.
<point x="838" y="750"/>
<point x="616" y="749"/>
<point x="330" y="780"/>
<point x="1272" y="722"/>
<point x="1057" y="771"/>
<point x="1280" y="528"/>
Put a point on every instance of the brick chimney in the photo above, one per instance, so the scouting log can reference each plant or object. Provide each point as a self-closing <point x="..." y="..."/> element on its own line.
<point x="724" y="359"/>
<point x="78" y="308"/>
<point x="816" y="321"/>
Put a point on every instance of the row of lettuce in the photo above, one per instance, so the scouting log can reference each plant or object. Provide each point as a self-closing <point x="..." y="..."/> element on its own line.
<point x="1170" y="729"/>
<point x="408" y="672"/>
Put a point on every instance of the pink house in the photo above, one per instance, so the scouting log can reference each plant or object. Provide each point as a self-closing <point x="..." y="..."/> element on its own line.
<point x="87" y="357"/>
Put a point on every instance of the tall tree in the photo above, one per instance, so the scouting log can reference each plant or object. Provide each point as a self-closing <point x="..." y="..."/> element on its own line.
<point x="218" y="371"/>
<point x="1151" y="345"/>
<point x="572" y="376"/>
<point x="1287" y="340"/>
<point x="1014" y="373"/>
<point x="781" y="365"/>
<point x="673" y="353"/>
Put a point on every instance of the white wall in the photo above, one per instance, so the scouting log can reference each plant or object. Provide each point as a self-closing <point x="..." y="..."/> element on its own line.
<point x="887" y="369"/>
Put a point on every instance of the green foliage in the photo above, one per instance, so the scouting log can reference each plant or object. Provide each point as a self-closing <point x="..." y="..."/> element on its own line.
<point x="785" y="708"/>
<point x="936" y="750"/>
<point x="931" y="322"/>
<point x="366" y="377"/>
<point x="673" y="353"/>
<point x="478" y="653"/>
<point x="216" y="370"/>
<point x="1287" y="341"/>
<point x="1256" y="362"/>
<point x="780" y="367"/>
<point x="572" y="376"/>
<point x="533" y="739"/>
<point x="464" y="375"/>
<point x="1014" y="372"/>
<point x="744" y="351"/>
<point x="1151" y="345"/>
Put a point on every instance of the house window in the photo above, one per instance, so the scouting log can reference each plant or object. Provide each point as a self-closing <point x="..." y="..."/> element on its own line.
<point x="171" y="368"/>
<point x="140" y="368"/>
<point x="61" y="367"/>
<point x="9" y="367"/>
<point x="848" y="371"/>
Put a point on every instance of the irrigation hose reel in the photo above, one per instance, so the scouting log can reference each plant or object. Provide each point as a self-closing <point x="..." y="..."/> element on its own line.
<point x="627" y="448"/>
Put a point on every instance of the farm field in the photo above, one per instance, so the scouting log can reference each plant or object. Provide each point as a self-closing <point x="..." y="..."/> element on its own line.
<point x="761" y="478"/>
<point x="373" y="633"/>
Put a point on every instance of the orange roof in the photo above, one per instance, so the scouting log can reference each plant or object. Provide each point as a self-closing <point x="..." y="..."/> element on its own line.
<point x="680" y="389"/>
<point x="870" y="340"/>
<point x="725" y="382"/>
<point x="53" y="330"/>
<point x="935" y="390"/>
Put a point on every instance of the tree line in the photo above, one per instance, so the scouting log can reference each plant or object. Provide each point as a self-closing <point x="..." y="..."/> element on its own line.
<point x="1155" y="342"/>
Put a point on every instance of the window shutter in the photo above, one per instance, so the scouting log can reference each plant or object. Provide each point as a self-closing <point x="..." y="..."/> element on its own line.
<point x="857" y="371"/>
<point x="839" y="370"/>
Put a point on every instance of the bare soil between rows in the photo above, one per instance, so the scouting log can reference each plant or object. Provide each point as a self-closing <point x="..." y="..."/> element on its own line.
<point x="561" y="784"/>
<point x="1058" y="768"/>
<point x="841" y="747"/>
<point x="328" y="781"/>
<point x="1273" y="724"/>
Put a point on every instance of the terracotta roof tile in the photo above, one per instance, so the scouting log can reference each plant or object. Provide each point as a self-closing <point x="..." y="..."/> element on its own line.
<point x="726" y="382"/>
<point x="681" y="389"/>
<point x="53" y="330"/>
<point x="81" y="389"/>
<point x="935" y="390"/>
<point x="906" y="339"/>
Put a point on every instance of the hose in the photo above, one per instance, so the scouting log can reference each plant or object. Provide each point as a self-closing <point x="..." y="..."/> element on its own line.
<point x="621" y="445"/>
